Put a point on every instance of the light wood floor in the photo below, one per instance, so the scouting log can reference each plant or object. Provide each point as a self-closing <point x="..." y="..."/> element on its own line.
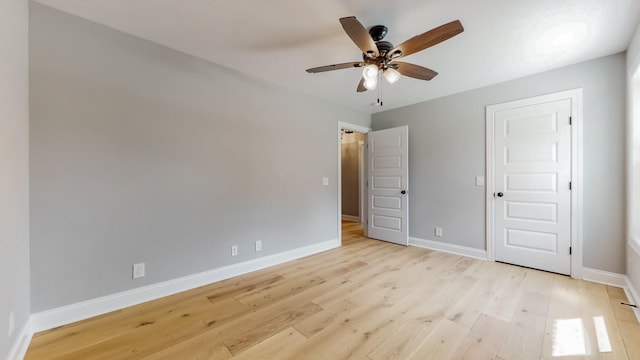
<point x="365" y="300"/>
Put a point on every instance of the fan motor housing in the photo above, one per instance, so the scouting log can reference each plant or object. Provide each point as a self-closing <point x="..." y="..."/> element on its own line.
<point x="384" y="46"/>
<point x="378" y="32"/>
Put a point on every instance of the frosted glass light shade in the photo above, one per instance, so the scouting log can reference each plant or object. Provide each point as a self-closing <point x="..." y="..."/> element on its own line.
<point x="392" y="75"/>
<point x="370" y="72"/>
<point x="370" y="84"/>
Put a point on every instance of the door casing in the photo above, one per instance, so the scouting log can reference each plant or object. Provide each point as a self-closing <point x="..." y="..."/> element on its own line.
<point x="575" y="96"/>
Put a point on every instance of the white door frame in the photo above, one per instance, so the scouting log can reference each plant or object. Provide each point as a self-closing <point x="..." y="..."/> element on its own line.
<point x="362" y="181"/>
<point x="575" y="96"/>
<point x="359" y="129"/>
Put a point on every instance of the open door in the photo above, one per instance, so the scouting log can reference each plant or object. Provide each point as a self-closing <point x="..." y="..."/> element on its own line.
<point x="388" y="180"/>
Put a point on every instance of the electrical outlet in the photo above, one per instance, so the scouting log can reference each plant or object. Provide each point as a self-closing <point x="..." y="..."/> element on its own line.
<point x="438" y="231"/>
<point x="234" y="250"/>
<point x="12" y="322"/>
<point x="138" y="270"/>
<point x="258" y="245"/>
<point x="325" y="181"/>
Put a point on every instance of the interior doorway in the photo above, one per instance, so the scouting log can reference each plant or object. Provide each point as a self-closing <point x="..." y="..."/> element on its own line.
<point x="352" y="169"/>
<point x="352" y="175"/>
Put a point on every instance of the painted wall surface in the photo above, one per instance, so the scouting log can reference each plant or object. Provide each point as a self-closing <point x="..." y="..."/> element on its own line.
<point x="14" y="171"/>
<point x="143" y="154"/>
<point x="350" y="153"/>
<point x="447" y="151"/>
<point x="633" y="161"/>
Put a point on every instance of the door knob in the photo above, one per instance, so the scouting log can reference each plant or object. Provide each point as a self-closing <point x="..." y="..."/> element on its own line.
<point x="403" y="192"/>
<point x="500" y="194"/>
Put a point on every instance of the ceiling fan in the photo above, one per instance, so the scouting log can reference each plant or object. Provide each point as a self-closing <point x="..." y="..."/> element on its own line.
<point x="380" y="56"/>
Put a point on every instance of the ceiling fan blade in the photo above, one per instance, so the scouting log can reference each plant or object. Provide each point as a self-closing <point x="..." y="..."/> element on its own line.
<point x="360" y="36"/>
<point x="348" y="65"/>
<point x="414" y="71"/>
<point x="427" y="39"/>
<point x="361" y="87"/>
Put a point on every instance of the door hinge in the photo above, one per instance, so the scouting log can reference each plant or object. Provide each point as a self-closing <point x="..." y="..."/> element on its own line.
<point x="570" y="250"/>
<point x="570" y="185"/>
<point x="570" y="120"/>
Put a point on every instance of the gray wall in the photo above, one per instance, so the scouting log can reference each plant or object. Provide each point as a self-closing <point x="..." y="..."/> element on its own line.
<point x="142" y="154"/>
<point x="447" y="150"/>
<point x="350" y="153"/>
<point x="633" y="163"/>
<point x="14" y="176"/>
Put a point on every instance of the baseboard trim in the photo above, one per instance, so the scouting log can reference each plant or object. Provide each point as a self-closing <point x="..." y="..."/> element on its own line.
<point x="83" y="310"/>
<point x="351" y="218"/>
<point x="19" y="348"/>
<point x="604" y="277"/>
<point x="449" y="248"/>
<point x="632" y="295"/>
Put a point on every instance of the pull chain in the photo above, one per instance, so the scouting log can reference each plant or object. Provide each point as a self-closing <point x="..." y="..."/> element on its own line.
<point x="379" y="88"/>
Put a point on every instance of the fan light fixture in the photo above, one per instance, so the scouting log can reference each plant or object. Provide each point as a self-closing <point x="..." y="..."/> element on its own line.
<point x="370" y="75"/>
<point x="392" y="75"/>
<point x="370" y="72"/>
<point x="370" y="84"/>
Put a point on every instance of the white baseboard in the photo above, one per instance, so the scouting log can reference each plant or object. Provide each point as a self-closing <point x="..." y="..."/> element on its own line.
<point x="634" y="298"/>
<point x="351" y="218"/>
<point x="19" y="348"/>
<point x="75" y="312"/>
<point x="449" y="248"/>
<point x="604" y="277"/>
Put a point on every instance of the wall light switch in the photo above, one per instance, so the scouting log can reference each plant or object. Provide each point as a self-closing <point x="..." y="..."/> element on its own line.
<point x="325" y="181"/>
<point x="479" y="180"/>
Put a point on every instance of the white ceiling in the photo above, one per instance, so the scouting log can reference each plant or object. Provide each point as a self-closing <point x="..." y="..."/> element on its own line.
<point x="277" y="40"/>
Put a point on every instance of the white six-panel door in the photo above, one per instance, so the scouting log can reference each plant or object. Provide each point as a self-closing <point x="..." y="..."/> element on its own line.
<point x="532" y="176"/>
<point x="388" y="179"/>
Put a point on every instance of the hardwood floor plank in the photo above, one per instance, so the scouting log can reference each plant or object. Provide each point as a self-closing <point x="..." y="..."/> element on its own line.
<point x="196" y="348"/>
<point x="349" y="334"/>
<point x="504" y="303"/>
<point x="419" y="320"/>
<point x="284" y="345"/>
<point x="631" y="338"/>
<point x="484" y="340"/>
<point x="564" y="336"/>
<point x="443" y="342"/>
<point x="320" y="320"/>
<point x="265" y="329"/>
<point x="595" y="308"/>
<point x="524" y="340"/>
<point x="272" y="293"/>
<point x="526" y="330"/>
<point x="621" y="312"/>
<point x="474" y="301"/>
